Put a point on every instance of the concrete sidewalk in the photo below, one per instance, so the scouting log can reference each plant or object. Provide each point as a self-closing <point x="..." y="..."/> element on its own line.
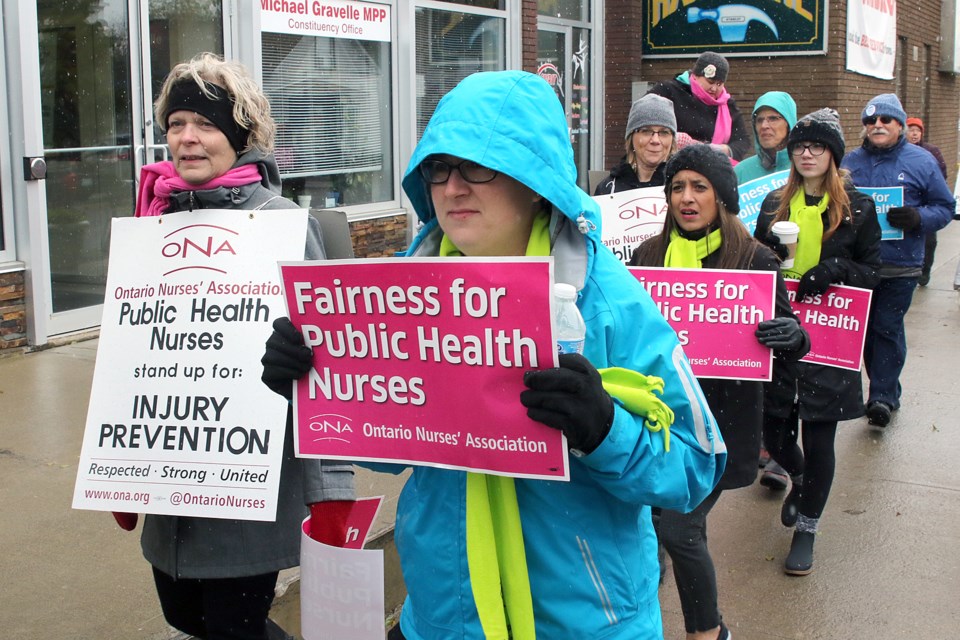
<point x="887" y="559"/>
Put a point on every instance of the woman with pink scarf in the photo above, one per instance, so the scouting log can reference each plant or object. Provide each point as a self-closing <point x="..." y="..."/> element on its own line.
<point x="215" y="577"/>
<point x="705" y="111"/>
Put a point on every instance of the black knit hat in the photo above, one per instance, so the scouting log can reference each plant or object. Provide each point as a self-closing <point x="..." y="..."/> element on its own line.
<point x="714" y="166"/>
<point x="711" y="66"/>
<point x="185" y="94"/>
<point x="821" y="126"/>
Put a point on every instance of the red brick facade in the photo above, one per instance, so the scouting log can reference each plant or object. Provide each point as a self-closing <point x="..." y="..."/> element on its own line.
<point x="814" y="81"/>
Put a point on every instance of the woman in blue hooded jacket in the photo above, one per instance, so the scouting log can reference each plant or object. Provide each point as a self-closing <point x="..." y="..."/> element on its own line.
<point x="492" y="557"/>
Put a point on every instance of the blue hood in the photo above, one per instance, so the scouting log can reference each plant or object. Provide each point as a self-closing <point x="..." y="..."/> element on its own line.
<point x="510" y="121"/>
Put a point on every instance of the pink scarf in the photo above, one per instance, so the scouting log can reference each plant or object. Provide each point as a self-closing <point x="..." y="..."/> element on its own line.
<point x="159" y="180"/>
<point x="724" y="125"/>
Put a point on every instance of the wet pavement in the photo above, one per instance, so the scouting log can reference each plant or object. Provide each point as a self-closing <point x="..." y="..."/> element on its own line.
<point x="887" y="559"/>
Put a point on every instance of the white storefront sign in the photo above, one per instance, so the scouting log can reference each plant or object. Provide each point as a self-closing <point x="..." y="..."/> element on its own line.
<point x="330" y="18"/>
<point x="872" y="37"/>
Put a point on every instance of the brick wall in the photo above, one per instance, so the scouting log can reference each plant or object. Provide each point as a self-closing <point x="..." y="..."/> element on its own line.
<point x="380" y="237"/>
<point x="13" y="328"/>
<point x="528" y="35"/>
<point x="814" y="81"/>
<point x="623" y="29"/>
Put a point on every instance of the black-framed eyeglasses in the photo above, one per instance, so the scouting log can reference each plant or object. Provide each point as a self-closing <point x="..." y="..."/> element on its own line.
<point x="815" y="148"/>
<point x="873" y="119"/>
<point x="438" y="171"/>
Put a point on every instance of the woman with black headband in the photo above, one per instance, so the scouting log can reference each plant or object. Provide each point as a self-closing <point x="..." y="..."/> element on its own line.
<point x="215" y="577"/>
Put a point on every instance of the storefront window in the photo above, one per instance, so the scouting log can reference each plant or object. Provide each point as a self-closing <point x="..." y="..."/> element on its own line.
<point x="331" y="98"/>
<point x="450" y="46"/>
<point x="566" y="9"/>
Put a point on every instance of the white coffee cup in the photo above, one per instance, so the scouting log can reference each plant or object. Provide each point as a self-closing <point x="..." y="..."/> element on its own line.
<point x="787" y="232"/>
<point x="304" y="201"/>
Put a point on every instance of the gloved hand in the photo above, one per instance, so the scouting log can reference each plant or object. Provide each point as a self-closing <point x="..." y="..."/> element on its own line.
<point x="781" y="334"/>
<point x="127" y="521"/>
<point x="906" y="218"/>
<point x="685" y="140"/>
<point x="570" y="398"/>
<point x="772" y="240"/>
<point x="286" y="358"/>
<point x="817" y="279"/>
<point x="328" y="521"/>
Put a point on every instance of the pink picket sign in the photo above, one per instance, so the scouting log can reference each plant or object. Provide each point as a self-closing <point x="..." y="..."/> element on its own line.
<point x="715" y="313"/>
<point x="421" y="361"/>
<point x="837" y="323"/>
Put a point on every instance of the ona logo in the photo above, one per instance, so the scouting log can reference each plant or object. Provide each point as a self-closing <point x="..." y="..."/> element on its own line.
<point x="332" y="426"/>
<point x="641" y="208"/>
<point x="198" y="243"/>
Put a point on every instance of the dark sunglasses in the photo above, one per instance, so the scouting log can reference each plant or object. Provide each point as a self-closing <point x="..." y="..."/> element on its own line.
<point x="873" y="119"/>
<point x="437" y="171"/>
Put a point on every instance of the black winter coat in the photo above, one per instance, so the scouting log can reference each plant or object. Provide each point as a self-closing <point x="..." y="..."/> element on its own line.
<point x="698" y="119"/>
<point x="828" y="393"/>
<point x="738" y="404"/>
<point x="623" y="178"/>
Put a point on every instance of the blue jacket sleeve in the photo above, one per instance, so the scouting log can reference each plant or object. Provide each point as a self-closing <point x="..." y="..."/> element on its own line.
<point x="938" y="205"/>
<point x="626" y="330"/>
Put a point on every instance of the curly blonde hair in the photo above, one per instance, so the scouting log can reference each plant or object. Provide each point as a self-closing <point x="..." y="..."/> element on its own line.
<point x="251" y="109"/>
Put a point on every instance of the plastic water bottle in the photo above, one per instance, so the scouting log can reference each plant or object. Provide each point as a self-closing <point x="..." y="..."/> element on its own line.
<point x="571" y="331"/>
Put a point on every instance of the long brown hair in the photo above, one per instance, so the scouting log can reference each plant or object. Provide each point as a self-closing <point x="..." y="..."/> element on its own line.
<point x="834" y="182"/>
<point x="736" y="250"/>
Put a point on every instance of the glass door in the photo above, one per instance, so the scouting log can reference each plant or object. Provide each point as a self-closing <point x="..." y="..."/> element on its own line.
<point x="100" y="68"/>
<point x="563" y="60"/>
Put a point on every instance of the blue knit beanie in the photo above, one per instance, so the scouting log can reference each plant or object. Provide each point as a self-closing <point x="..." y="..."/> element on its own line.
<point x="885" y="104"/>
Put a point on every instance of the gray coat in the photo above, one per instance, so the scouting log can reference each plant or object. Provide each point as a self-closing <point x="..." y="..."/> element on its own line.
<point x="188" y="547"/>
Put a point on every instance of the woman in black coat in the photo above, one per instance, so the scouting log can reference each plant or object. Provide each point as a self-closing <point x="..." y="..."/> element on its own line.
<point x="845" y="249"/>
<point x="703" y="203"/>
<point x="705" y="111"/>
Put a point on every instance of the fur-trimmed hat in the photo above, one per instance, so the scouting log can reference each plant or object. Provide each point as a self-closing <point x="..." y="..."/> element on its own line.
<point x="820" y="126"/>
<point x="885" y="104"/>
<point x="711" y="164"/>
<point x="651" y="109"/>
<point x="711" y="66"/>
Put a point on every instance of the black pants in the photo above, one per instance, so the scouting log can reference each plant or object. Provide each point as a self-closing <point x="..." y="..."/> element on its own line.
<point x="817" y="461"/>
<point x="684" y="536"/>
<point x="217" y="609"/>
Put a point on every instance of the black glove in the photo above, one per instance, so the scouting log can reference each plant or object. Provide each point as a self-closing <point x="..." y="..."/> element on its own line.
<point x="772" y="240"/>
<point x="817" y="279"/>
<point x="570" y="398"/>
<point x="782" y="334"/>
<point x="906" y="218"/>
<point x="286" y="358"/>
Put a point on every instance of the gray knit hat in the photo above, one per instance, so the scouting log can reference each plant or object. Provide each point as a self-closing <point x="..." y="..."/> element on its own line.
<point x="820" y="126"/>
<point x="712" y="165"/>
<point x="654" y="110"/>
<point x="885" y="104"/>
<point x="711" y="66"/>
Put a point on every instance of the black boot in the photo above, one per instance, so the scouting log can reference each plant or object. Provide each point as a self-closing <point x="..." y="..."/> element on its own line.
<point x="800" y="560"/>
<point x="791" y="504"/>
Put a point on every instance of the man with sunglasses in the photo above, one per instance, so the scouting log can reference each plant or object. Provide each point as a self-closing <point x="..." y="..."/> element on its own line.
<point x="887" y="159"/>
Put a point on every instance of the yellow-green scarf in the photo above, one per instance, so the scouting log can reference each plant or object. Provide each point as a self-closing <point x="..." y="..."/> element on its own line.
<point x="810" y="239"/>
<point x="683" y="253"/>
<point x="495" y="551"/>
